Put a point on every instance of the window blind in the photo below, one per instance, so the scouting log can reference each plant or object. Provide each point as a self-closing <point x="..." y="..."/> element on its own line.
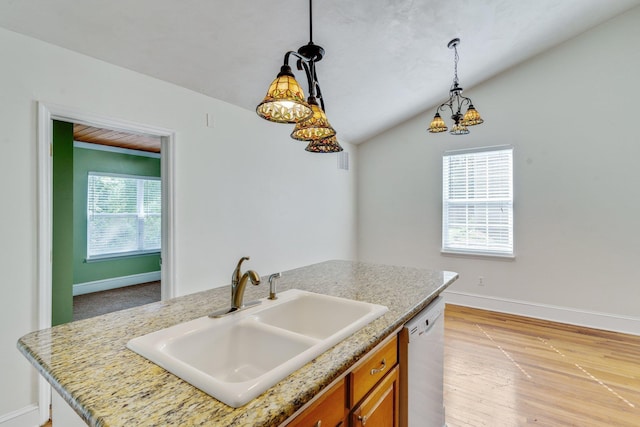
<point x="477" y="198"/>
<point x="123" y="215"/>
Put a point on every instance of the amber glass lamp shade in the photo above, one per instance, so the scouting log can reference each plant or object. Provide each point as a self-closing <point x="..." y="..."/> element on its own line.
<point x="459" y="129"/>
<point x="472" y="117"/>
<point x="437" y="124"/>
<point x="285" y="101"/>
<point x="326" y="145"/>
<point x="315" y="127"/>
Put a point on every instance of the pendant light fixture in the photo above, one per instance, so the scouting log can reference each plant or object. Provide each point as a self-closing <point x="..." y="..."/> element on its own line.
<point x="325" y="145"/>
<point x="315" y="127"/>
<point x="455" y="104"/>
<point x="285" y="101"/>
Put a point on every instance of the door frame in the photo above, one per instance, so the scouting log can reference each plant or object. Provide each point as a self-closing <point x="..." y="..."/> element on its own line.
<point x="46" y="113"/>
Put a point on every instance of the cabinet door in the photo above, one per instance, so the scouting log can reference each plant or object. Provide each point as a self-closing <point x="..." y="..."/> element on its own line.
<point x="328" y="411"/>
<point x="380" y="407"/>
<point x="373" y="369"/>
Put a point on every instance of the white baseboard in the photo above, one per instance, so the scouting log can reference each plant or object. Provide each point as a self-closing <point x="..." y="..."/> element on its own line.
<point x="590" y="319"/>
<point x="114" y="283"/>
<point x="27" y="416"/>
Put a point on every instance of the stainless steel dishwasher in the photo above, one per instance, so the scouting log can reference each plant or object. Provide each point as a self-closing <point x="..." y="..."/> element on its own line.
<point x="424" y="353"/>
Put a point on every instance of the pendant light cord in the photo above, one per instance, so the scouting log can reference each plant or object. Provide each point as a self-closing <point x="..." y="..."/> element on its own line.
<point x="310" y="21"/>
<point x="455" y="69"/>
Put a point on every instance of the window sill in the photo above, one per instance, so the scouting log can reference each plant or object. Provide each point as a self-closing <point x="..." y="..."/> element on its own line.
<point x="111" y="257"/>
<point x="479" y="255"/>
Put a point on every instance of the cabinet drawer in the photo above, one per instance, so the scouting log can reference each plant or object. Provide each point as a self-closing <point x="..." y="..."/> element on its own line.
<point x="328" y="411"/>
<point x="372" y="370"/>
<point x="380" y="407"/>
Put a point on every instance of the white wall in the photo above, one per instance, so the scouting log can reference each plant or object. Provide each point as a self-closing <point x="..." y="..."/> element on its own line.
<point x="571" y="115"/>
<point x="242" y="188"/>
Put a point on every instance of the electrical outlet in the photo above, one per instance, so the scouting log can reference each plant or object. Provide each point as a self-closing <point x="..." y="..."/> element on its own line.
<point x="480" y="281"/>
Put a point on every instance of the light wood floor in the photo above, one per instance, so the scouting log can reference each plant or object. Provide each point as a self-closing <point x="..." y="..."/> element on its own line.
<point x="510" y="371"/>
<point x="503" y="370"/>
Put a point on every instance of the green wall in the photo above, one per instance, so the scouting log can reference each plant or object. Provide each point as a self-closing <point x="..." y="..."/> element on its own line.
<point x="62" y="245"/>
<point x="84" y="161"/>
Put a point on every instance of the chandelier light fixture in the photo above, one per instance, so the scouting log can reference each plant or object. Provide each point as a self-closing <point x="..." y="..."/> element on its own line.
<point x="324" y="145"/>
<point x="285" y="101"/>
<point x="455" y="104"/>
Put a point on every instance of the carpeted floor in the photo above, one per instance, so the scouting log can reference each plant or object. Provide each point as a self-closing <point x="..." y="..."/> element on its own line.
<point x="97" y="303"/>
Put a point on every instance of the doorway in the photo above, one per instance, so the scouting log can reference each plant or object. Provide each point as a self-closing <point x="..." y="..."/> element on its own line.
<point x="46" y="114"/>
<point x="106" y="221"/>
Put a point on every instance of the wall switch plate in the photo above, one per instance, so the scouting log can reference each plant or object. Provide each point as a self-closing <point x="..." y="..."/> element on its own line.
<point x="210" y="122"/>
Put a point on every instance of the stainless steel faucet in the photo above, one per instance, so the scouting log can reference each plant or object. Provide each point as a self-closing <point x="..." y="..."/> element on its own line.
<point x="238" y="284"/>
<point x="272" y="285"/>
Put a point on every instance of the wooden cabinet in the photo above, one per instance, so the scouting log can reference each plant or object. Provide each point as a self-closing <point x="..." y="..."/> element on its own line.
<point x="330" y="410"/>
<point x="375" y="388"/>
<point x="372" y="369"/>
<point x="380" y="407"/>
<point x="367" y="397"/>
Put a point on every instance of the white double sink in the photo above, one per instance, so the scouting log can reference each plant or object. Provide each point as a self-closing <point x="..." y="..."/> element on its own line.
<point x="238" y="357"/>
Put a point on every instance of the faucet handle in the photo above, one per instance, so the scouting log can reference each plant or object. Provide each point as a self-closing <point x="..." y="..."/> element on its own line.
<point x="235" y="277"/>
<point x="244" y="258"/>
<point x="272" y="285"/>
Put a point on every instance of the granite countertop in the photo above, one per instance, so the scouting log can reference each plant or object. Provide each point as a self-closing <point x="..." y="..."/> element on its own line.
<point x="88" y="364"/>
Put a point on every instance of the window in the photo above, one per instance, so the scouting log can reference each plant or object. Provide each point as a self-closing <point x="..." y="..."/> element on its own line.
<point x="123" y="215"/>
<point x="477" y="201"/>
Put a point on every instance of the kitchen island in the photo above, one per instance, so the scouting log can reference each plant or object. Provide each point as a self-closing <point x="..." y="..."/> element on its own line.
<point x="88" y="364"/>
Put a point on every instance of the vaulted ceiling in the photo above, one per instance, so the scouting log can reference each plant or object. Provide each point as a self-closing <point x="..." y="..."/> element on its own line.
<point x="386" y="60"/>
